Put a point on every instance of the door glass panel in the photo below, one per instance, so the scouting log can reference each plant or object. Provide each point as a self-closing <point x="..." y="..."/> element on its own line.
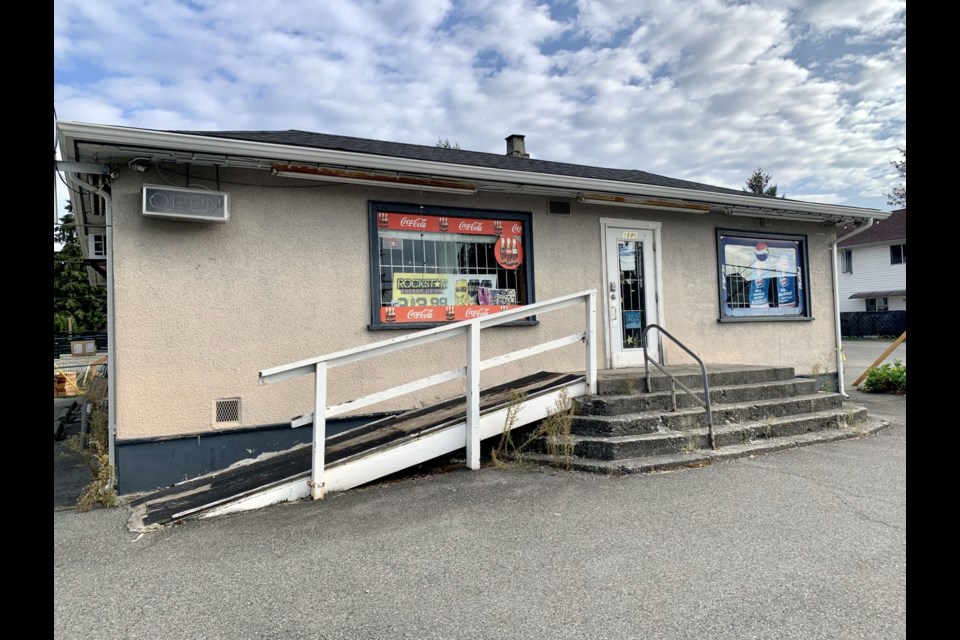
<point x="633" y="316"/>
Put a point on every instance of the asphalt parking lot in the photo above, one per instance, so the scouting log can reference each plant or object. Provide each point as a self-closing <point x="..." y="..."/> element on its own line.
<point x="808" y="543"/>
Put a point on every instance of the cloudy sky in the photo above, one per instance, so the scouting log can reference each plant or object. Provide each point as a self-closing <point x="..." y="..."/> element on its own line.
<point x="812" y="91"/>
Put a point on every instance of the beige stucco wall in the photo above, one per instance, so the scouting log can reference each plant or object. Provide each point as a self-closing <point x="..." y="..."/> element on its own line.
<point x="201" y="308"/>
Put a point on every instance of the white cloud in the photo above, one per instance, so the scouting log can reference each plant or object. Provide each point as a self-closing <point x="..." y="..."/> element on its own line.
<point x="698" y="89"/>
<point x="864" y="17"/>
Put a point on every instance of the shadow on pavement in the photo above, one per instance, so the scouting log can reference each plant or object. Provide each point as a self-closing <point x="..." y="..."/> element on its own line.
<point x="70" y="474"/>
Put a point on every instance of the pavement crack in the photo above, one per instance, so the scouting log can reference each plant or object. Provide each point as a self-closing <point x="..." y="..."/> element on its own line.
<point x="839" y="493"/>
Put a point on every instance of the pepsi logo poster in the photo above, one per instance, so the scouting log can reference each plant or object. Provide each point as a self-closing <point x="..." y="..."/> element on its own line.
<point x="762" y="276"/>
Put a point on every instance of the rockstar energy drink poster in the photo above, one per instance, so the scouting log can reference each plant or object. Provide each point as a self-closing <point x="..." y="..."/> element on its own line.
<point x="422" y="289"/>
<point x="419" y="297"/>
<point x="438" y="289"/>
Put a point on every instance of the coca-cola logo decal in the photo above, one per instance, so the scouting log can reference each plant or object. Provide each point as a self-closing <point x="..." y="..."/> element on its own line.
<point x="444" y="224"/>
<point x="440" y="314"/>
<point x="416" y="223"/>
<point x="420" y="314"/>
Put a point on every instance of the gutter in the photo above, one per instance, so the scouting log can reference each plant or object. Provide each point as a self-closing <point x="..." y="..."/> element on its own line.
<point x="75" y="132"/>
<point x="111" y="333"/>
<point x="836" y="302"/>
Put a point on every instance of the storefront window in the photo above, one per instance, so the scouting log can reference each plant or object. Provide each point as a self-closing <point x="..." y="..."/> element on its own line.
<point x="434" y="265"/>
<point x="762" y="276"/>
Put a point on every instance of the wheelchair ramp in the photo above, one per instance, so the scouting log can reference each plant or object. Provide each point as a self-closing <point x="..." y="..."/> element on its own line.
<point x="354" y="457"/>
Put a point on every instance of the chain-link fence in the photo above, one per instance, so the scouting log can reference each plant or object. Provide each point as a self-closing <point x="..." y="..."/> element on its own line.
<point x="859" y="324"/>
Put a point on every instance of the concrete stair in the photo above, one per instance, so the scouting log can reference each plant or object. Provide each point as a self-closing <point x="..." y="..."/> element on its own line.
<point x="625" y="429"/>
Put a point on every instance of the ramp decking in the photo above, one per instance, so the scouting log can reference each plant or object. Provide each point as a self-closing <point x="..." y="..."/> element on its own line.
<point x="194" y="497"/>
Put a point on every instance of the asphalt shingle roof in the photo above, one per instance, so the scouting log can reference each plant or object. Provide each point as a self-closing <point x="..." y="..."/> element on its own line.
<point x="889" y="230"/>
<point x="458" y="156"/>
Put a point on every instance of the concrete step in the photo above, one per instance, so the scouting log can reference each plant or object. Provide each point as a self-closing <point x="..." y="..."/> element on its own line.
<point x="628" y="381"/>
<point x="740" y="441"/>
<point x="616" y="447"/>
<point x="651" y="444"/>
<point x="694" y="417"/>
<point x="741" y="412"/>
<point x="610" y="405"/>
<point x="628" y="424"/>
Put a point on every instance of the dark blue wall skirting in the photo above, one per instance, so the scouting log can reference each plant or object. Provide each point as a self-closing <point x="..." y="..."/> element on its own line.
<point x="147" y="464"/>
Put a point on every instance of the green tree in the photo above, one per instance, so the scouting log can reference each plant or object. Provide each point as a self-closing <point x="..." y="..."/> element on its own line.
<point x="899" y="196"/>
<point x="758" y="183"/>
<point x="73" y="295"/>
<point x="444" y="143"/>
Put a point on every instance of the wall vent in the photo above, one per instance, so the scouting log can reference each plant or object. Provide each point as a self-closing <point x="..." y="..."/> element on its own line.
<point x="226" y="411"/>
<point x="558" y="208"/>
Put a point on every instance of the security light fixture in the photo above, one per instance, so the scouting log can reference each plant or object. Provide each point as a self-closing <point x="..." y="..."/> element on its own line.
<point x="139" y="164"/>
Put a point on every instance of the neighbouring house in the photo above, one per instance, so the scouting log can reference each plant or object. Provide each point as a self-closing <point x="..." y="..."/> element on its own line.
<point x="92" y="233"/>
<point x="873" y="278"/>
<point x="230" y="252"/>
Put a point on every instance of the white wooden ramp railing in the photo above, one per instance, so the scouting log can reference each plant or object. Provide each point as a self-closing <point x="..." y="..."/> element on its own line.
<point x="472" y="329"/>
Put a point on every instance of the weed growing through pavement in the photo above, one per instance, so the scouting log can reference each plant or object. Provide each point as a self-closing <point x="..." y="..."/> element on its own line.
<point x="553" y="430"/>
<point x="95" y="452"/>
<point x="506" y="449"/>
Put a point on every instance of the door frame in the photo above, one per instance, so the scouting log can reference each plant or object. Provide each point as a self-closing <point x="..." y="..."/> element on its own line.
<point x="639" y="225"/>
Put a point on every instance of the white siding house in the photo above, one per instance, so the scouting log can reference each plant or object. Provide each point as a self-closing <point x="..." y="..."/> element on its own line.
<point x="873" y="268"/>
<point x="871" y="271"/>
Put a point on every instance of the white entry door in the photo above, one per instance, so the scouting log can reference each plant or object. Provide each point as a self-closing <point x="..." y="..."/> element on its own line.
<point x="631" y="295"/>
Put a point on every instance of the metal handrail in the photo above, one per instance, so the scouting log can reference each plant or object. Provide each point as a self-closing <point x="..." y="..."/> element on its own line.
<point x="706" y="385"/>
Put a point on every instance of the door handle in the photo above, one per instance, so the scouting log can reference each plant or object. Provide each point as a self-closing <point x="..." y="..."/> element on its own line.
<point x="613" y="312"/>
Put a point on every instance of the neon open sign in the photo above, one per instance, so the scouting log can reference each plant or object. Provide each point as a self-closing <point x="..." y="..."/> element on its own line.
<point x="195" y="205"/>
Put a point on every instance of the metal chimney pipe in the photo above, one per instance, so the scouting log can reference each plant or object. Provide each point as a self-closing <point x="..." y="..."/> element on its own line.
<point x="516" y="146"/>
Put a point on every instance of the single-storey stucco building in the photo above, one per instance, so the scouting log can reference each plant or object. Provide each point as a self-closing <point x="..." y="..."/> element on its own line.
<point x="230" y="252"/>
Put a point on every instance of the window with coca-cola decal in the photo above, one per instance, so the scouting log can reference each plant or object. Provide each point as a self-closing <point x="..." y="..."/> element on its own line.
<point x="442" y="264"/>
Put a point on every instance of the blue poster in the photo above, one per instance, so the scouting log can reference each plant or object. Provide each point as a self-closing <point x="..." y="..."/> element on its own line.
<point x="762" y="272"/>
<point x="631" y="320"/>
<point x="786" y="283"/>
<point x="758" y="292"/>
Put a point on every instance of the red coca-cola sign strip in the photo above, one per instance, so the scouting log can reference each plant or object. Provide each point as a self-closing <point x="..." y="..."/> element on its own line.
<point x="438" y="224"/>
<point x="401" y="315"/>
